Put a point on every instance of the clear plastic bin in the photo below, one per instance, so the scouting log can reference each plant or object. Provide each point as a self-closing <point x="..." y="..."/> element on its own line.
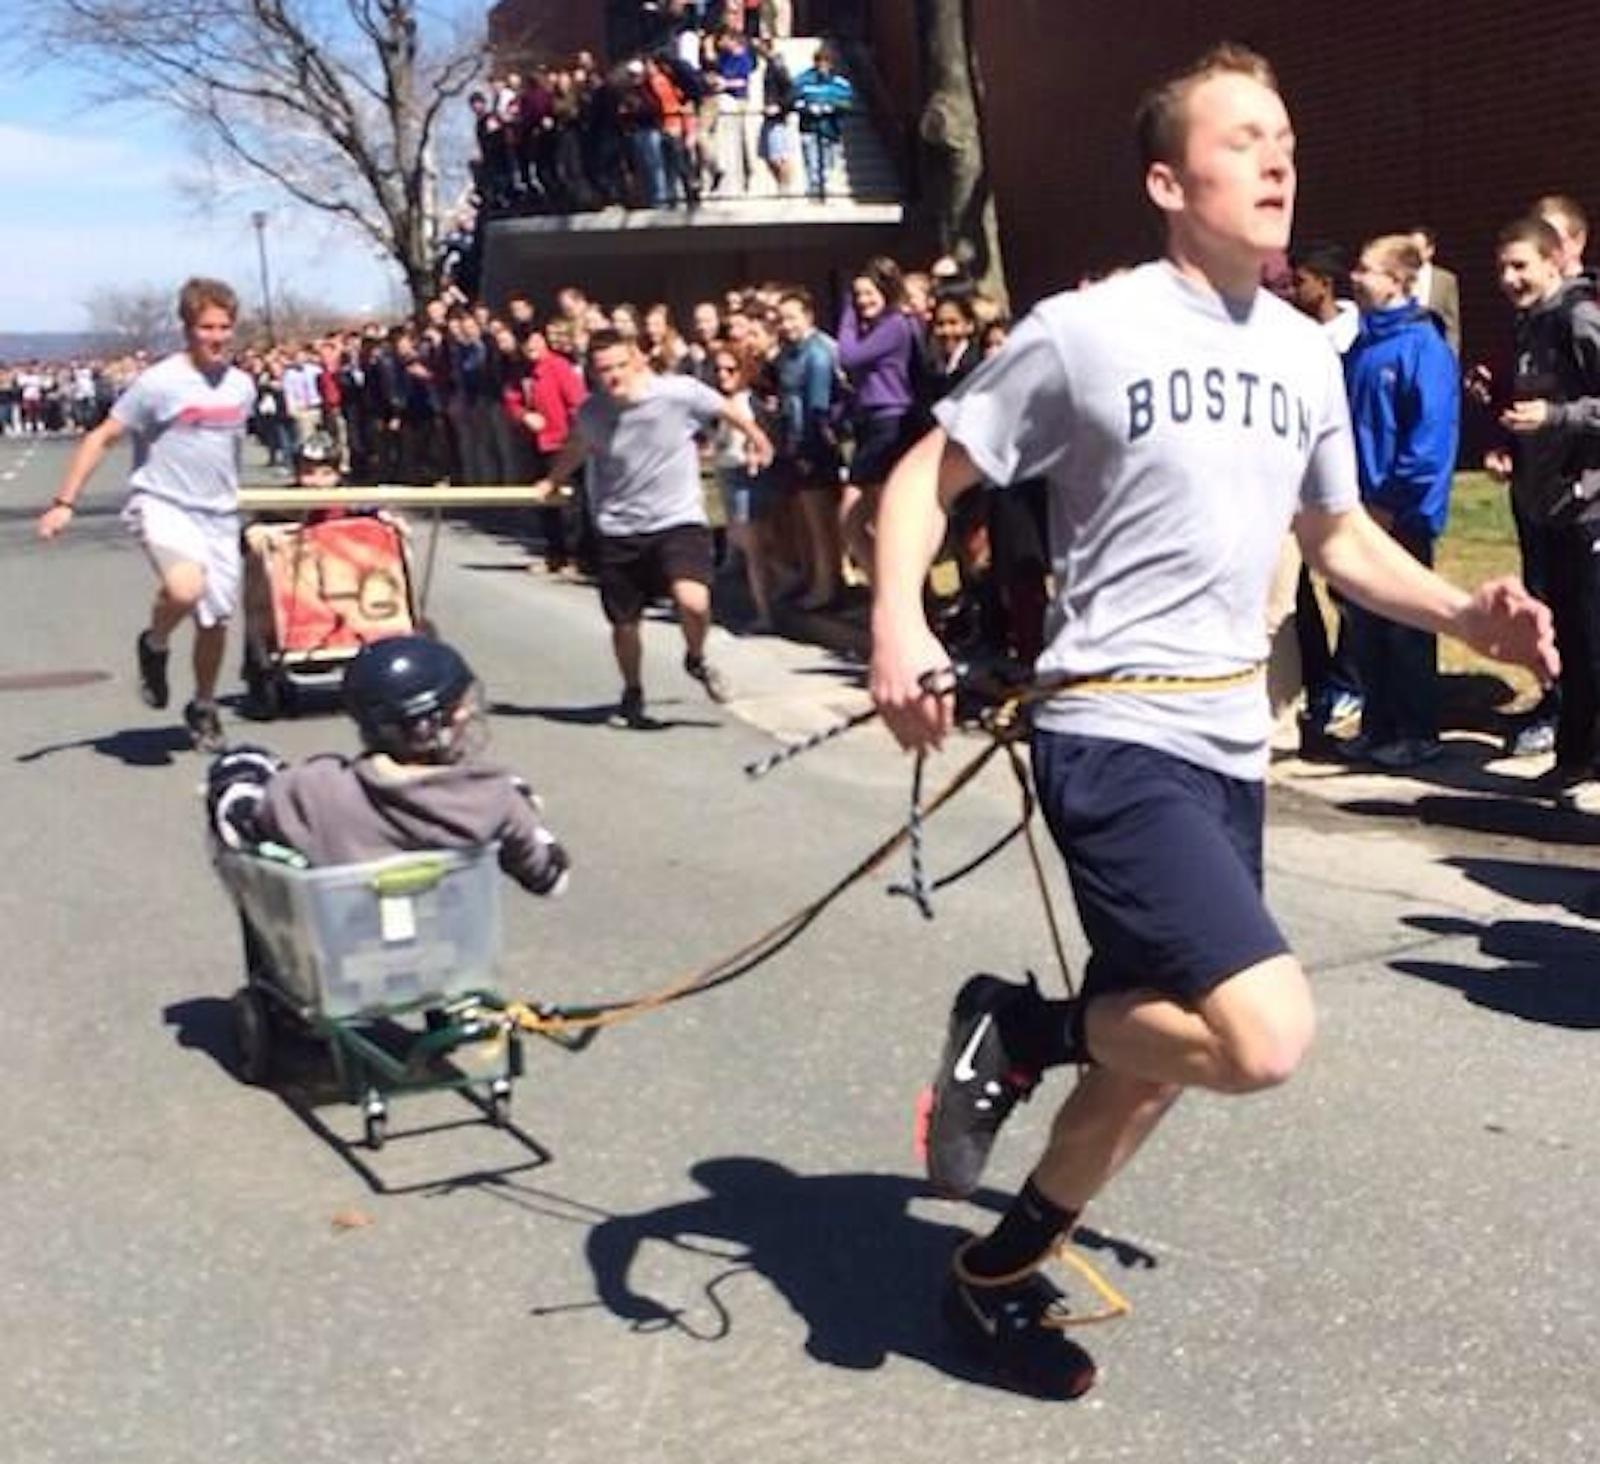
<point x="359" y="939"/>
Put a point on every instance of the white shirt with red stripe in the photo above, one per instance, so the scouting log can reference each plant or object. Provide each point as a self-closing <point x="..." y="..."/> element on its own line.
<point x="188" y="429"/>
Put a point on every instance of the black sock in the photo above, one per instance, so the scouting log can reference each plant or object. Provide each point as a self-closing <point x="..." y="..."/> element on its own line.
<point x="1042" y="1034"/>
<point x="1025" y="1235"/>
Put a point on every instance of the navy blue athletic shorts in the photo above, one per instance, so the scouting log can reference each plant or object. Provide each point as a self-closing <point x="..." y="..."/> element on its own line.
<point x="1165" y="862"/>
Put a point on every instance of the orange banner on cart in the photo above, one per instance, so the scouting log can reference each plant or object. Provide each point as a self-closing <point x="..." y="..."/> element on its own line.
<point x="329" y="586"/>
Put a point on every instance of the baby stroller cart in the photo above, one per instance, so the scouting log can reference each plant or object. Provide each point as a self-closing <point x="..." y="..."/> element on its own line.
<point x="314" y="594"/>
<point x="348" y="953"/>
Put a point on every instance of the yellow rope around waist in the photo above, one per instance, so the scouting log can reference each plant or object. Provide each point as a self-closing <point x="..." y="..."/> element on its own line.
<point x="1153" y="685"/>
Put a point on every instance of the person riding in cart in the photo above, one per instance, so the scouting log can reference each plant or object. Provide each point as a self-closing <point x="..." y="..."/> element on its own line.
<point x="420" y="782"/>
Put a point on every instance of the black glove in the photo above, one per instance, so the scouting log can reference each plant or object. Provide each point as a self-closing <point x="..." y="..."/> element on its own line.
<point x="553" y="879"/>
<point x="236" y="782"/>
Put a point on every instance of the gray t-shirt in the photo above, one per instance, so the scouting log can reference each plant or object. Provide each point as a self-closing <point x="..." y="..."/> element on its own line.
<point x="1179" y="435"/>
<point x="188" y="429"/>
<point x="644" y="467"/>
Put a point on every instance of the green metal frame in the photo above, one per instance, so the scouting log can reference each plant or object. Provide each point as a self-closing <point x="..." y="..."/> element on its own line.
<point x="364" y="1064"/>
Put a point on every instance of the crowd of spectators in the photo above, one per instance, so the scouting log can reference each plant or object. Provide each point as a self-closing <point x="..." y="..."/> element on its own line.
<point x="38" y="397"/>
<point x="468" y="394"/>
<point x="1392" y="311"/>
<point x="704" y="107"/>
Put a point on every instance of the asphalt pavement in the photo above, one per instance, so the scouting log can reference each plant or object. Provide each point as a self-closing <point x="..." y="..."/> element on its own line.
<point x="709" y="1240"/>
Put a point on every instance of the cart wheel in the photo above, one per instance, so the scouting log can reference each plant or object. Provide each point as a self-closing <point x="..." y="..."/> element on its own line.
<point x="252" y="1036"/>
<point x="500" y="1107"/>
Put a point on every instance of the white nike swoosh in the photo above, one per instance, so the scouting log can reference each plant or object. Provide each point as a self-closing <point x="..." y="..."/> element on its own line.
<point x="964" y="1070"/>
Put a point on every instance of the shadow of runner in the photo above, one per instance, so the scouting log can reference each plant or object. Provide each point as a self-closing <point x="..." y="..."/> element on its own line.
<point x="862" y="1272"/>
<point x="134" y="747"/>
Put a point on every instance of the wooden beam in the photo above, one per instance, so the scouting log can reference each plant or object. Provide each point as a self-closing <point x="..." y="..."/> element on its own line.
<point x="389" y="495"/>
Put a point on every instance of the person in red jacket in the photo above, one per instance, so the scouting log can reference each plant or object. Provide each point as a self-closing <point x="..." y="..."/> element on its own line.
<point x="543" y="403"/>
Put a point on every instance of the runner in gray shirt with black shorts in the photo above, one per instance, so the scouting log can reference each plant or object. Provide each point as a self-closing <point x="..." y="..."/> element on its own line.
<point x="187" y="416"/>
<point x="1183" y="419"/>
<point x="639" y="434"/>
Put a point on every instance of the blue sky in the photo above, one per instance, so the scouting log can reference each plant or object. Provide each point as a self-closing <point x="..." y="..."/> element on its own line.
<point x="93" y="196"/>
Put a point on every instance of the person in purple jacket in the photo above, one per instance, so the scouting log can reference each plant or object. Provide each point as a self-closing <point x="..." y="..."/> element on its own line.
<point x="879" y="345"/>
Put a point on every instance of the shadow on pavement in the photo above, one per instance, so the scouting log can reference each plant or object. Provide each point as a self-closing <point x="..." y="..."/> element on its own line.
<point x="598" y="716"/>
<point x="1522" y="818"/>
<point x="304" y="1081"/>
<point x="134" y="747"/>
<point x="1463" y="767"/>
<point x="1574" y="888"/>
<point x="1551" y="973"/>
<point x="844" y="1250"/>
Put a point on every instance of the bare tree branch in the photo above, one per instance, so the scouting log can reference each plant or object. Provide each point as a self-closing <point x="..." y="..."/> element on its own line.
<point x="132" y="317"/>
<point x="335" y="102"/>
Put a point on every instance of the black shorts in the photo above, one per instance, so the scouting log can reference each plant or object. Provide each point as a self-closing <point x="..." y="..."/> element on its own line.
<point x="881" y="440"/>
<point x="1165" y="862"/>
<point x="638" y="568"/>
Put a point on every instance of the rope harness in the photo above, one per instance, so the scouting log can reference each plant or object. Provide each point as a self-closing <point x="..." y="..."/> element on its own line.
<point x="1005" y="723"/>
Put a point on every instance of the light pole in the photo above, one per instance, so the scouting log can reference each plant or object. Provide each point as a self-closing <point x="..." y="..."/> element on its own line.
<point x="259" y="219"/>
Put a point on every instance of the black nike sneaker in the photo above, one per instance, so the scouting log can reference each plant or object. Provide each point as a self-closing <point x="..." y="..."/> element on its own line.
<point x="152" y="672"/>
<point x="630" y="710"/>
<point x="1016" y="1328"/>
<point x="709" y="676"/>
<point x="977" y="1084"/>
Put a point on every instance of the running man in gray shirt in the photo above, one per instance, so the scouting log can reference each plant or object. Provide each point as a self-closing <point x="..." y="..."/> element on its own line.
<point x="187" y="417"/>
<point x="1184" y="419"/>
<point x="639" y="434"/>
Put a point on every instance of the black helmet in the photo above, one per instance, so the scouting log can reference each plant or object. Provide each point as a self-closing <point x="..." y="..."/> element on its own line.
<point x="317" y="450"/>
<point x="405" y="693"/>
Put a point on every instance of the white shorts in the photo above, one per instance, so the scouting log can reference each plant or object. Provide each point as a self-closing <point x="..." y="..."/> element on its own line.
<point x="172" y="535"/>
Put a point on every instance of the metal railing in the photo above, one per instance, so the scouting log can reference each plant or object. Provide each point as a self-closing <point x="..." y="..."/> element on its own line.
<point x="717" y="154"/>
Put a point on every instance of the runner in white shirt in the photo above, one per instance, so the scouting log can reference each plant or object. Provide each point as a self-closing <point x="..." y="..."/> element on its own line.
<point x="187" y="417"/>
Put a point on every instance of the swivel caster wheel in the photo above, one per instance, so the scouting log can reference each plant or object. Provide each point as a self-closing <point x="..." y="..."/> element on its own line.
<point x="377" y="1126"/>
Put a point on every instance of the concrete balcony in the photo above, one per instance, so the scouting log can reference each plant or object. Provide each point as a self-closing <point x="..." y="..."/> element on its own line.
<point x="748" y="229"/>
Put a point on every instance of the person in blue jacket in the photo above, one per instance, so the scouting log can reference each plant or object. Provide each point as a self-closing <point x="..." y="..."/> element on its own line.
<point x="822" y="97"/>
<point x="1405" y="408"/>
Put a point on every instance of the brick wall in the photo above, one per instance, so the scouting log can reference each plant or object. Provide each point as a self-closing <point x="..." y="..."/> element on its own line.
<point x="546" y="30"/>
<point x="1454" y="115"/>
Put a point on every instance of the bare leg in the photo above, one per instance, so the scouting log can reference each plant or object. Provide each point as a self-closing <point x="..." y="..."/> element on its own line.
<point x="628" y="647"/>
<point x="1099" y="1128"/>
<point x="1250" y="1032"/>
<point x="750" y="540"/>
<point x="181" y="587"/>
<point x="821" y="544"/>
<point x="693" y="600"/>
<point x="858" y="509"/>
<point x="210" y="641"/>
